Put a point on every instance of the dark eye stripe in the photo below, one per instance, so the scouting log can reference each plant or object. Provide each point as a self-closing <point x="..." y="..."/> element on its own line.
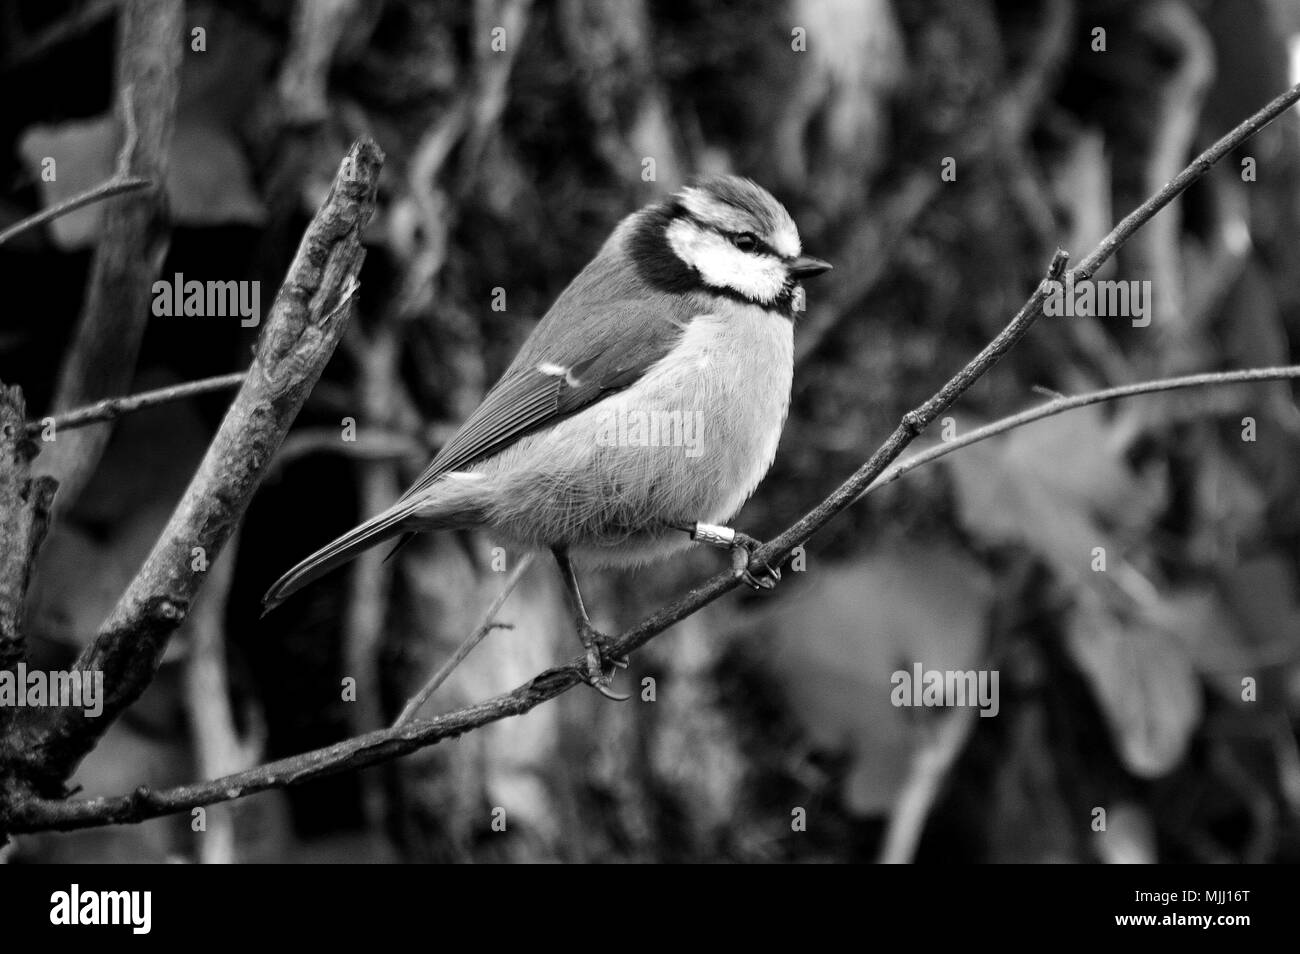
<point x="758" y="246"/>
<point x="678" y="210"/>
<point x="761" y="246"/>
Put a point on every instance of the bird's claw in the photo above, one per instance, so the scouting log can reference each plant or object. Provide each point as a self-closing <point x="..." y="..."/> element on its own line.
<point x="742" y="564"/>
<point x="600" y="666"/>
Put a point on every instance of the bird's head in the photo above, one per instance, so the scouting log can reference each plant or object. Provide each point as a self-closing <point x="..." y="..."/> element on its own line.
<point x="726" y="235"/>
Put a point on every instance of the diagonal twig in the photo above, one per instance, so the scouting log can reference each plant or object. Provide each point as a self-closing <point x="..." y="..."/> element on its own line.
<point x="1062" y="404"/>
<point x="412" y="708"/>
<point x="105" y="190"/>
<point x="111" y="409"/>
<point x="134" y="236"/>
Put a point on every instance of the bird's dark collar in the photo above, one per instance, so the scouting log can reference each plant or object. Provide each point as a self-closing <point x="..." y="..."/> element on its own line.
<point x="659" y="266"/>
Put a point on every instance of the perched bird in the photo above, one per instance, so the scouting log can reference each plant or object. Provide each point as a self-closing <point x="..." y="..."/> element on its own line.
<point x="642" y="411"/>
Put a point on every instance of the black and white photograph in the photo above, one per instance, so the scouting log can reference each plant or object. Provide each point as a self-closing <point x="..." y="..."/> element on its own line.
<point x="652" y="432"/>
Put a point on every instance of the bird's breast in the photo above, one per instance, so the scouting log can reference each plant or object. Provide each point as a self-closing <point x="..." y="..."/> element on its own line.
<point x="688" y="441"/>
<point x="732" y="371"/>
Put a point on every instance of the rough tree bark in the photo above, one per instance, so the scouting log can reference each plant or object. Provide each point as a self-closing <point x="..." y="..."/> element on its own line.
<point x="45" y="745"/>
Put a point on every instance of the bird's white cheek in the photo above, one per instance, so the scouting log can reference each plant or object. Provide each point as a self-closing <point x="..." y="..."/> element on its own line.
<point x="722" y="265"/>
<point x="757" y="277"/>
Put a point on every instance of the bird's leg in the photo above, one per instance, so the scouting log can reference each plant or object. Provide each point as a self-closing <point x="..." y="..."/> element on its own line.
<point x="742" y="547"/>
<point x="600" y="668"/>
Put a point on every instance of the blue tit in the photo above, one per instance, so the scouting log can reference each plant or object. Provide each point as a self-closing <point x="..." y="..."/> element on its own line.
<point x="640" y="414"/>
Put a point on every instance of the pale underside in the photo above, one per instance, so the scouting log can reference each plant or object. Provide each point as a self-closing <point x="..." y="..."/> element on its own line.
<point x="689" y="441"/>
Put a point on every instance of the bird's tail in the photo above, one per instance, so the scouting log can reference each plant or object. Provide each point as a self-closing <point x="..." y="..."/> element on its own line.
<point x="378" y="528"/>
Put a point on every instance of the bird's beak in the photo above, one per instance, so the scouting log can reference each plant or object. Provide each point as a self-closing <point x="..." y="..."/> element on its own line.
<point x="805" y="266"/>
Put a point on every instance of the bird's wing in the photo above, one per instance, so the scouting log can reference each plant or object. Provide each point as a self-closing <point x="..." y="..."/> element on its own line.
<point x="609" y="347"/>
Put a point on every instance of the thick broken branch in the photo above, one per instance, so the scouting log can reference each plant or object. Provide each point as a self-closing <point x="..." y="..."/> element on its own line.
<point x="303" y="328"/>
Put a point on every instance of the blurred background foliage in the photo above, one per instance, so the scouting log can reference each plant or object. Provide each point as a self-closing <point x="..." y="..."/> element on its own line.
<point x="506" y="169"/>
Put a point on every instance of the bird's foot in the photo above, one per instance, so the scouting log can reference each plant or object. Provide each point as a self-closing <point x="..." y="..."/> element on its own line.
<point x="756" y="575"/>
<point x="601" y="666"/>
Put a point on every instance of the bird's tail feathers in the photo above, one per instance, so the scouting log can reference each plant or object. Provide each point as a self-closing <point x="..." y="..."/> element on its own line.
<point x="378" y="528"/>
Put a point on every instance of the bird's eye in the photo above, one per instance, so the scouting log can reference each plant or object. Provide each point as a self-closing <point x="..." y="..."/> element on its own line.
<point x="745" y="241"/>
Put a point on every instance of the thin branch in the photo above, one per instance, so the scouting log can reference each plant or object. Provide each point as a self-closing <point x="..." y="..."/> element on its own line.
<point x="317" y="29"/>
<point x="1062" y="404"/>
<point x="304" y="325"/>
<point x="370" y="582"/>
<point x="111" y="409"/>
<point x="24" y="50"/>
<point x="134" y="235"/>
<point x="412" y="708"/>
<point x="217" y="746"/>
<point x="931" y="764"/>
<point x="38" y="814"/>
<point x="105" y="190"/>
<point x="492" y="71"/>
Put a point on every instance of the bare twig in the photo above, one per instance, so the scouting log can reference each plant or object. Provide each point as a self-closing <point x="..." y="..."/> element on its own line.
<point x="1062" y="404"/>
<point x="217" y="746"/>
<point x="38" y="814"/>
<point x="370" y="581"/>
<point x="28" y="49"/>
<point x="318" y="28"/>
<point x="105" y="190"/>
<point x="931" y="764"/>
<point x="492" y="71"/>
<point x="412" y="708"/>
<point x="110" y="409"/>
<point x="297" y="341"/>
<point x="133" y="239"/>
